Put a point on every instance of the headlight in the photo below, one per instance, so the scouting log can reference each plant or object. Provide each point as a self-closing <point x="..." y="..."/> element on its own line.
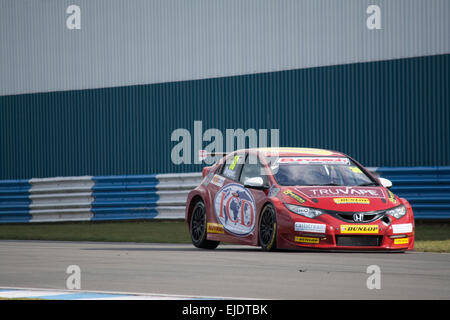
<point x="397" y="212"/>
<point x="304" y="211"/>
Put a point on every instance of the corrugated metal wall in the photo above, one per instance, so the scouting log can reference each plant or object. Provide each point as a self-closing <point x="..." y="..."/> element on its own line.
<point x="129" y="42"/>
<point x="387" y="113"/>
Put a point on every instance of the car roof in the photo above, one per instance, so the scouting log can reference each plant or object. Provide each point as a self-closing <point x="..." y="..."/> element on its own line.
<point x="292" y="152"/>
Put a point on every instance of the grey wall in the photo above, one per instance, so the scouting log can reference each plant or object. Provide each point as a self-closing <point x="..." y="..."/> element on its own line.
<point x="143" y="42"/>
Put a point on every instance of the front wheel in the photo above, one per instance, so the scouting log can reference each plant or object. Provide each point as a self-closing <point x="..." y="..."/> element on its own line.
<point x="268" y="229"/>
<point x="198" y="228"/>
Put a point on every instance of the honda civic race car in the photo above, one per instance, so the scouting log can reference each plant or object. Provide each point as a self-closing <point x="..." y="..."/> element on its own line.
<point x="295" y="198"/>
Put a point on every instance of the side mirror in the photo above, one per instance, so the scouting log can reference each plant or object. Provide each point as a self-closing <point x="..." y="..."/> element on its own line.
<point x="255" y="182"/>
<point x="386" y="183"/>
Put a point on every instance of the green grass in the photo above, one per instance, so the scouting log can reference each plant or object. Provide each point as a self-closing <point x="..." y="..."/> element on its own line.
<point x="431" y="237"/>
<point x="135" y="231"/>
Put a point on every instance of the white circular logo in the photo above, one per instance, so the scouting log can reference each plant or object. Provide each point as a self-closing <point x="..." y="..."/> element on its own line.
<point x="235" y="209"/>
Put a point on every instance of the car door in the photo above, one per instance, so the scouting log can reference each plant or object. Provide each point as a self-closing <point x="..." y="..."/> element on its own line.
<point x="225" y="201"/>
<point x="236" y="206"/>
<point x="252" y="169"/>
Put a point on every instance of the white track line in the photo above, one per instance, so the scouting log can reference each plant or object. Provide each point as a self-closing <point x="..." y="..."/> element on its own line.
<point x="18" y="292"/>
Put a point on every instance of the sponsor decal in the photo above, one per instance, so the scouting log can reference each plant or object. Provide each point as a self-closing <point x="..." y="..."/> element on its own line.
<point x="218" y="180"/>
<point x="208" y="178"/>
<point x="306" y="240"/>
<point x="229" y="173"/>
<point x="202" y="155"/>
<point x="351" y="200"/>
<point x="327" y="192"/>
<point x="273" y="191"/>
<point x="215" y="228"/>
<point x="356" y="170"/>
<point x="294" y="196"/>
<point x="313" y="160"/>
<point x="235" y="161"/>
<point x="235" y="209"/>
<point x="401" y="241"/>
<point x="298" y="150"/>
<point x="402" y="228"/>
<point x="359" y="228"/>
<point x="391" y="197"/>
<point x="310" y="227"/>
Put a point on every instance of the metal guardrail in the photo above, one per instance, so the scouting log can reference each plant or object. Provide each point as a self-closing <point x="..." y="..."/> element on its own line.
<point x="426" y="188"/>
<point x="61" y="199"/>
<point x="14" y="201"/>
<point x="173" y="190"/>
<point x="163" y="196"/>
<point x="124" y="197"/>
<point x="98" y="198"/>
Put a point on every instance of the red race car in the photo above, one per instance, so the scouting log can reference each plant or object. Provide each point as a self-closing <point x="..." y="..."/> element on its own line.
<point x="297" y="198"/>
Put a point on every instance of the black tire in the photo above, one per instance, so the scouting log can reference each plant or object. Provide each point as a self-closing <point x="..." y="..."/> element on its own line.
<point x="268" y="229"/>
<point x="197" y="228"/>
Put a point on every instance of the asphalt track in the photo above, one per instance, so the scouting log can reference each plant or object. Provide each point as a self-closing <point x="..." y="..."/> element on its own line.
<point x="229" y="271"/>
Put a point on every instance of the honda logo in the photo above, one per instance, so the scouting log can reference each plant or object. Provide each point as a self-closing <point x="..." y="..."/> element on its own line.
<point x="358" y="217"/>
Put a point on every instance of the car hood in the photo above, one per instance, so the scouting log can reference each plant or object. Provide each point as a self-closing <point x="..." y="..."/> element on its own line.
<point x="337" y="198"/>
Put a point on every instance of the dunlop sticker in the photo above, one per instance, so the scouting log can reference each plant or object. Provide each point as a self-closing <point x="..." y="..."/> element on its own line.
<point x="359" y="228"/>
<point x="215" y="228"/>
<point x="306" y="240"/>
<point x="351" y="200"/>
<point x="294" y="196"/>
<point x="401" y="241"/>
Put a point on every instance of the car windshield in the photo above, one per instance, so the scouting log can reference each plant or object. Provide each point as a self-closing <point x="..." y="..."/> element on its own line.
<point x="319" y="171"/>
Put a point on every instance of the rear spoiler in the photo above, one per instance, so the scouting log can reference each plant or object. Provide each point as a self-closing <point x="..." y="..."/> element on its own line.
<point x="203" y="154"/>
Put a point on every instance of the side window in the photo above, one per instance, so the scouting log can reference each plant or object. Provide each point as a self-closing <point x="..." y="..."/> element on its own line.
<point x="232" y="166"/>
<point x="251" y="169"/>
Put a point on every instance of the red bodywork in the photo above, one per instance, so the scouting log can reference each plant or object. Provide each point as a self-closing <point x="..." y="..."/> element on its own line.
<point x="294" y="231"/>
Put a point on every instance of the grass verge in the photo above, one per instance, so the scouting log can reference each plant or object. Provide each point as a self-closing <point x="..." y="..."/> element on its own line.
<point x="430" y="237"/>
<point x="134" y="231"/>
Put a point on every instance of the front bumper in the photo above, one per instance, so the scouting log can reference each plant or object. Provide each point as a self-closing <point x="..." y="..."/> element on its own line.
<point x="329" y="233"/>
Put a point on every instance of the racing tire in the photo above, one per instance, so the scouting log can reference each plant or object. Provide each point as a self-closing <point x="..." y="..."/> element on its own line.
<point x="197" y="228"/>
<point x="268" y="229"/>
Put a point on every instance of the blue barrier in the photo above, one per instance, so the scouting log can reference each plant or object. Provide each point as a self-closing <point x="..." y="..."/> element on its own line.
<point x="108" y="198"/>
<point x="125" y="197"/>
<point x="426" y="188"/>
<point x="14" y="201"/>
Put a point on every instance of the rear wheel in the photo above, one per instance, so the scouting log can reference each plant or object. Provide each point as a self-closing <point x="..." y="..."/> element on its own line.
<point x="198" y="228"/>
<point x="268" y="229"/>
